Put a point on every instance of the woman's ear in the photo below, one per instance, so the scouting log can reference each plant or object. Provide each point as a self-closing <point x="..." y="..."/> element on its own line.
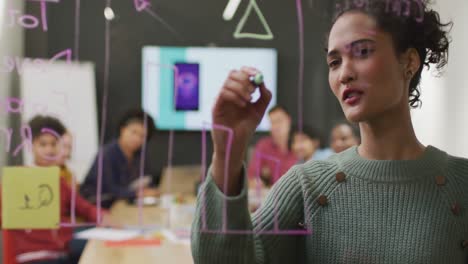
<point x="411" y="62"/>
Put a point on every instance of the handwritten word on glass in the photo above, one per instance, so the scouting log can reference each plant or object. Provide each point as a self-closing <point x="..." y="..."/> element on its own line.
<point x="141" y="5"/>
<point x="30" y="21"/>
<point x="30" y="198"/>
<point x="10" y="63"/>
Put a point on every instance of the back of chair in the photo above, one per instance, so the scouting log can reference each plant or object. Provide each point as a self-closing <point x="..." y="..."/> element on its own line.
<point x="9" y="256"/>
<point x="180" y="179"/>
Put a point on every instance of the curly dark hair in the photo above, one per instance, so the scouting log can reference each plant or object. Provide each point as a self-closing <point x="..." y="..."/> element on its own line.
<point x="39" y="123"/>
<point x="412" y="24"/>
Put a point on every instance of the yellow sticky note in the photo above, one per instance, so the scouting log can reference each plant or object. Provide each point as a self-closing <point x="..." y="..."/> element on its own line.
<point x="31" y="198"/>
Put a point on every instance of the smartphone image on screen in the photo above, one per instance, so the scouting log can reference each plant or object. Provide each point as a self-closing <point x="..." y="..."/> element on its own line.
<point x="187" y="86"/>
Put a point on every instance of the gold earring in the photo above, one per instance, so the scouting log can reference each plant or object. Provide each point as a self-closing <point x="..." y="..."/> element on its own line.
<point x="409" y="74"/>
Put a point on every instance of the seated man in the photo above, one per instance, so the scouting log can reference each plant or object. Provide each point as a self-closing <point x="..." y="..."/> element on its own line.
<point x="343" y="136"/>
<point x="121" y="161"/>
<point x="306" y="145"/>
<point x="272" y="157"/>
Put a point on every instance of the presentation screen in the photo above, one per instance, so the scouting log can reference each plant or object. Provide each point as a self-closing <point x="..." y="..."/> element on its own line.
<point x="180" y="84"/>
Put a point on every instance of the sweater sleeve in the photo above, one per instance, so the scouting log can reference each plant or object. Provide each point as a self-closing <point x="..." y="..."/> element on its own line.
<point x="249" y="239"/>
<point x="83" y="208"/>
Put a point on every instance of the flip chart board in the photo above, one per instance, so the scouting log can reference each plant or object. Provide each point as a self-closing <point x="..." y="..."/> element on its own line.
<point x="66" y="91"/>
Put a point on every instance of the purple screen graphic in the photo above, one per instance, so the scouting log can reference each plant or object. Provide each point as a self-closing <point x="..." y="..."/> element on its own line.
<point x="187" y="87"/>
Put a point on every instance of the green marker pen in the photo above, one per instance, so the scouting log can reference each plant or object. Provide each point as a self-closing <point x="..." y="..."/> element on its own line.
<point x="256" y="79"/>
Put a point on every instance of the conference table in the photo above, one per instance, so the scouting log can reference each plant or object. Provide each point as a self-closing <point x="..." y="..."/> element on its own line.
<point x="162" y="215"/>
<point x="125" y="214"/>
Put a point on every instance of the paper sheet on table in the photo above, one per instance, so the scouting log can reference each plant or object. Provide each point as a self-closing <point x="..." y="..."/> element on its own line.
<point x="144" y="182"/>
<point x="177" y="236"/>
<point x="31" y="198"/>
<point x="108" y="234"/>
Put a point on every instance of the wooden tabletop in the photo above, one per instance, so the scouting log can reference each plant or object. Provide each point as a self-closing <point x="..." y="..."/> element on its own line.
<point x="165" y="253"/>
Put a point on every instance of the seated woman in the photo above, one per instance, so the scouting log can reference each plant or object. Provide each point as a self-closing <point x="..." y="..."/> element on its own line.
<point x="389" y="200"/>
<point x="52" y="246"/>
<point x="65" y="156"/>
<point x="121" y="160"/>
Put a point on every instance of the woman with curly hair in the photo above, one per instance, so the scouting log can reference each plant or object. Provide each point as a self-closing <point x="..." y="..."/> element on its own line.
<point x="391" y="199"/>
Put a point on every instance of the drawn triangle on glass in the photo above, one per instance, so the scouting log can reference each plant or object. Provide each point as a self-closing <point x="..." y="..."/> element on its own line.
<point x="238" y="34"/>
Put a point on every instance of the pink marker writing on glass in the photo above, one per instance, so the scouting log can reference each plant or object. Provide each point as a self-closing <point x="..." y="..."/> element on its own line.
<point x="141" y="5"/>
<point x="10" y="63"/>
<point x="29" y="21"/>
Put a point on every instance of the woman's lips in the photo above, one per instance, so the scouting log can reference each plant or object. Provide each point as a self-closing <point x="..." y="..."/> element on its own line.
<point x="352" y="96"/>
<point x="353" y="99"/>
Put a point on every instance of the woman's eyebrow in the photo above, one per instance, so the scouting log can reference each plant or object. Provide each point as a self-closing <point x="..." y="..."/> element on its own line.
<point x="359" y="41"/>
<point x="332" y="53"/>
<point x="335" y="52"/>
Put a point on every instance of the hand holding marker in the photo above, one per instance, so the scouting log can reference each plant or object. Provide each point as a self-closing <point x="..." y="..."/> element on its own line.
<point x="234" y="111"/>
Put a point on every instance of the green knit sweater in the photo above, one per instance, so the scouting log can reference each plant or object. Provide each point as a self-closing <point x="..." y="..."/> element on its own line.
<point x="358" y="211"/>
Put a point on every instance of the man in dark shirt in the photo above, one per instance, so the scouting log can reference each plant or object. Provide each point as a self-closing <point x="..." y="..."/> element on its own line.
<point x="121" y="161"/>
<point x="272" y="156"/>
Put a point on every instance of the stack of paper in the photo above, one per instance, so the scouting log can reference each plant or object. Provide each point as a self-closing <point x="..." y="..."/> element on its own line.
<point x="108" y="234"/>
